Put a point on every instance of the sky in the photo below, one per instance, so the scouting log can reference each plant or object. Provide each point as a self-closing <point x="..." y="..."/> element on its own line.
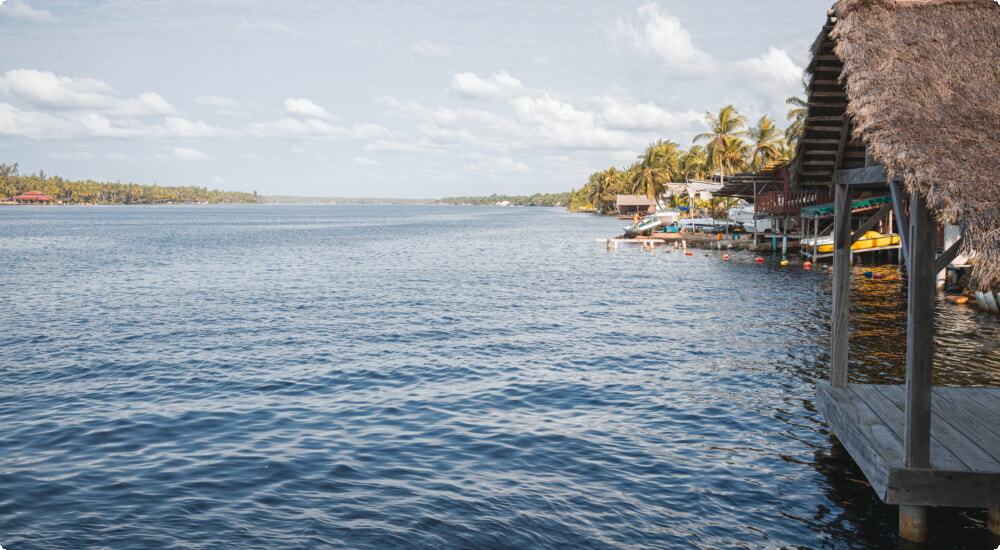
<point x="382" y="98"/>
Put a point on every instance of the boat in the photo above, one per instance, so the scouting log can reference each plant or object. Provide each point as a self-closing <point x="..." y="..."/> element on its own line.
<point x="643" y="226"/>
<point x="871" y="239"/>
<point x="701" y="222"/>
<point x="668" y="217"/>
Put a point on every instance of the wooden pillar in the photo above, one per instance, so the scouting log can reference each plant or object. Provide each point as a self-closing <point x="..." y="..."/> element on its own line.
<point x="919" y="334"/>
<point x="841" y="285"/>
<point x="993" y="521"/>
<point x="919" y="357"/>
<point x="913" y="523"/>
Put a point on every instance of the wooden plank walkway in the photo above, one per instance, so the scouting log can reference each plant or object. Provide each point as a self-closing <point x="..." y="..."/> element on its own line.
<point x="869" y="421"/>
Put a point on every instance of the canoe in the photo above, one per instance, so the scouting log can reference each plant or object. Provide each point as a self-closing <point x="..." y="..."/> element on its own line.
<point x="870" y="239"/>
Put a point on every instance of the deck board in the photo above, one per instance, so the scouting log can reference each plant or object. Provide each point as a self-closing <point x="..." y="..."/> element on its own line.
<point x="965" y="443"/>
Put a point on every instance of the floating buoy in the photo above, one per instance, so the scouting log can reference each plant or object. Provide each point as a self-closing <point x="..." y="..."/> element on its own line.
<point x="868" y="274"/>
<point x="784" y="262"/>
<point x="957" y="299"/>
<point x="759" y="260"/>
<point x="877" y="276"/>
<point x="807" y="265"/>
<point x="689" y="253"/>
<point x="725" y="256"/>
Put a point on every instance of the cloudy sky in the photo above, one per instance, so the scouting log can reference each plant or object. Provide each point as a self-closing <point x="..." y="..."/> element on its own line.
<point x="381" y="98"/>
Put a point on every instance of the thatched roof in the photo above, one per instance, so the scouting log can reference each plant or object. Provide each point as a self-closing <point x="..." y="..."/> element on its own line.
<point x="923" y="89"/>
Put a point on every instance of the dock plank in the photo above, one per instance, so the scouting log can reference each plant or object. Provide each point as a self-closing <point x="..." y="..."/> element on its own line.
<point x="979" y="423"/>
<point x="870" y="443"/>
<point x="868" y="420"/>
<point x="950" y="449"/>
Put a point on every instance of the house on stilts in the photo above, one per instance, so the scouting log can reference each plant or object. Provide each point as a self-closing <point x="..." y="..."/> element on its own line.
<point x="904" y="101"/>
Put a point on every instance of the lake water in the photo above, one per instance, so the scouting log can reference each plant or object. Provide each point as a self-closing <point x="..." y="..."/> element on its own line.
<point x="430" y="377"/>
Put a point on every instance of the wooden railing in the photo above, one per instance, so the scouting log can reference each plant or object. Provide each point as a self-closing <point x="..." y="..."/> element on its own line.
<point x="777" y="202"/>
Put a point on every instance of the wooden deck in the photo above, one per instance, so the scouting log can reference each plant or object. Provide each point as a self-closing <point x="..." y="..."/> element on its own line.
<point x="869" y="421"/>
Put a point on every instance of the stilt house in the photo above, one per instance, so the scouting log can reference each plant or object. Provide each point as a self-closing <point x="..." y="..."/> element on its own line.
<point x="904" y="99"/>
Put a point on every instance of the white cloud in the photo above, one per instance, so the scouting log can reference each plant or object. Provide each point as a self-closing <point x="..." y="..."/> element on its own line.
<point x="304" y="108"/>
<point x="223" y="105"/>
<point x="15" y="122"/>
<point x="186" y="154"/>
<point x="46" y="90"/>
<point x="664" y="36"/>
<point x="771" y="73"/>
<point x="366" y="161"/>
<point x="179" y="127"/>
<point x="19" y="9"/>
<point x="429" y="49"/>
<point x="497" y="86"/>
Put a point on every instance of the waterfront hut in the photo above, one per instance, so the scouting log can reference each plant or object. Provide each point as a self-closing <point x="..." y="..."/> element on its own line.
<point x="904" y="99"/>
<point x="33" y="197"/>
<point x="627" y="206"/>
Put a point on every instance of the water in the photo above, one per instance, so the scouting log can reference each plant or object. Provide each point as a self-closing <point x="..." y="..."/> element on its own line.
<point x="429" y="377"/>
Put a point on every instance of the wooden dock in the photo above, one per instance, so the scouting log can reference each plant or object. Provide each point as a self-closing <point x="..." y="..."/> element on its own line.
<point x="964" y="468"/>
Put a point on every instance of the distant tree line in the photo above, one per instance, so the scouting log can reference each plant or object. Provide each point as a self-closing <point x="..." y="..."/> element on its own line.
<point x="538" y="199"/>
<point x="730" y="146"/>
<point x="12" y="183"/>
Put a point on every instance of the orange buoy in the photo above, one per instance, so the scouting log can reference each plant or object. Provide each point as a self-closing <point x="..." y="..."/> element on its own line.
<point x="689" y="253"/>
<point x="957" y="299"/>
<point x="725" y="256"/>
<point x="759" y="260"/>
<point x="807" y="265"/>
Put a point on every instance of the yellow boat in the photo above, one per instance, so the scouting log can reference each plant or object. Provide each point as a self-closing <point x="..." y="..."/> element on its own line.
<point x="871" y="239"/>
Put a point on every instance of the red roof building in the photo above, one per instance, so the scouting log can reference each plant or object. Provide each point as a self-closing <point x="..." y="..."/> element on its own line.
<point x="32" y="197"/>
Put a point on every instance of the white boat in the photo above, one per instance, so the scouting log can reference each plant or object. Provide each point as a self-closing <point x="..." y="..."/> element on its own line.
<point x="700" y="222"/>
<point x="668" y="217"/>
<point x="645" y="225"/>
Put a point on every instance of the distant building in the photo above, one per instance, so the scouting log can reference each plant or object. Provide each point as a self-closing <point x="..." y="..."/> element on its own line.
<point x="33" y="197"/>
<point x="627" y="206"/>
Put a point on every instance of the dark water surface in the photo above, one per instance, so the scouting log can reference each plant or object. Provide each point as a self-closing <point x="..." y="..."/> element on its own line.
<point x="429" y="377"/>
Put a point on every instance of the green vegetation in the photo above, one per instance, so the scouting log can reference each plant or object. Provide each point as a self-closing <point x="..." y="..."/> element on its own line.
<point x="538" y="199"/>
<point x="730" y="147"/>
<point x="94" y="192"/>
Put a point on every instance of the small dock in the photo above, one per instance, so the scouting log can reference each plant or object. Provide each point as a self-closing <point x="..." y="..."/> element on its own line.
<point x="964" y="471"/>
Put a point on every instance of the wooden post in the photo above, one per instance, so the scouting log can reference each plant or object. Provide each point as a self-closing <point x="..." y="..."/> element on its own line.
<point x="919" y="334"/>
<point x="994" y="521"/>
<point x="913" y="523"/>
<point x="919" y="357"/>
<point x="841" y="285"/>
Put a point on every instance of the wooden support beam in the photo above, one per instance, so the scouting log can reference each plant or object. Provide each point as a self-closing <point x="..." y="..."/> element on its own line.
<point x="901" y="220"/>
<point x="919" y="334"/>
<point x="878" y="217"/>
<point x="841" y="286"/>
<point x="913" y="523"/>
<point x="862" y="176"/>
<point x="947" y="256"/>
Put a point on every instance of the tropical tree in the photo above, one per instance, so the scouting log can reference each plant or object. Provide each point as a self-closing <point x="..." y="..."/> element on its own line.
<point x="656" y="167"/>
<point x="797" y="116"/>
<point x="723" y="128"/>
<point x="732" y="156"/>
<point x="693" y="164"/>
<point x="765" y="142"/>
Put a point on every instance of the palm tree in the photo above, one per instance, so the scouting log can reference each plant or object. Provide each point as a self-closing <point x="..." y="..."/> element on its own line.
<point x="655" y="168"/>
<point x="727" y="124"/>
<point x="797" y="116"/>
<point x="732" y="155"/>
<point x="693" y="164"/>
<point x="765" y="142"/>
